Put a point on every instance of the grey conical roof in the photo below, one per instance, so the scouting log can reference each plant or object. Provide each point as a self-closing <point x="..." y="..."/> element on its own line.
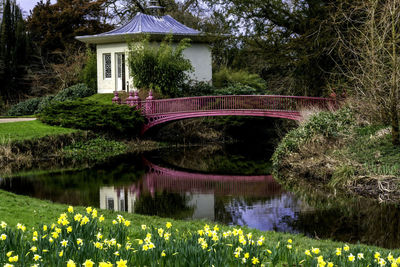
<point x="143" y="24"/>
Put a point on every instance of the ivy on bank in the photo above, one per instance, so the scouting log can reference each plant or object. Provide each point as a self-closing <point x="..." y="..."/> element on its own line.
<point x="326" y="124"/>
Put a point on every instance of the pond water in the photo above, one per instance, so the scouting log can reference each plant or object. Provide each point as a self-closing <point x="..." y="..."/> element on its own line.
<point x="230" y="185"/>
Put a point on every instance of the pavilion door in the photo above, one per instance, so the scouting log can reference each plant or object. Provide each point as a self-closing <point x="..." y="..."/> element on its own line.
<point x="120" y="62"/>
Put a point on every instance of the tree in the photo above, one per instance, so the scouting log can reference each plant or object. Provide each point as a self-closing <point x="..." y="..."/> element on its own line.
<point x="159" y="67"/>
<point x="54" y="26"/>
<point x="14" y="48"/>
<point x="290" y="40"/>
<point x="371" y="57"/>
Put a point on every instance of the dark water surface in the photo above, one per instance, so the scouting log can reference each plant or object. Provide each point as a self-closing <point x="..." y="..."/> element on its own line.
<point x="231" y="185"/>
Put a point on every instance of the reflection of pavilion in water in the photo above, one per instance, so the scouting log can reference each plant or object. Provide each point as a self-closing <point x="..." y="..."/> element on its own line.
<point x="202" y="189"/>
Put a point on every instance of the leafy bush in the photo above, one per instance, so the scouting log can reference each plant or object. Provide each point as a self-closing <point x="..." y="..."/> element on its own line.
<point x="74" y="92"/>
<point x="197" y="89"/>
<point x="89" y="115"/>
<point x="89" y="72"/>
<point x="27" y="107"/>
<point x="236" y="89"/>
<point x="36" y="105"/>
<point x="225" y="77"/>
<point x="327" y="124"/>
<point x="161" y="68"/>
<point x="46" y="100"/>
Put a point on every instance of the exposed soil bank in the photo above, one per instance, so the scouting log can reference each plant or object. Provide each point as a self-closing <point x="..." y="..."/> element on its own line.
<point x="340" y="155"/>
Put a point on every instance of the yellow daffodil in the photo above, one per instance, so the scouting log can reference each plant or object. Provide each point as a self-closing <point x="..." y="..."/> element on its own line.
<point x="377" y="255"/>
<point x="13" y="259"/>
<point x="36" y="257"/>
<point x="33" y="249"/>
<point x="105" y="264"/>
<point x="3" y="224"/>
<point x="346" y="248"/>
<point x="338" y="251"/>
<point x="122" y="263"/>
<point x="61" y="253"/>
<point x="88" y="263"/>
<point x="94" y="213"/>
<point x="8" y="254"/>
<point x="307" y="252"/>
<point x="163" y="253"/>
<point x="79" y="241"/>
<point x="255" y="261"/>
<point x="71" y="263"/>
<point x="127" y="223"/>
<point x="143" y="227"/>
<point x="360" y="256"/>
<point x="315" y="250"/>
<point x="289" y="246"/>
<point x="64" y="243"/>
<point x="351" y="257"/>
<point x="101" y="218"/>
<point x="89" y="210"/>
<point x="71" y="209"/>
<point x="168" y="225"/>
<point x="290" y="241"/>
<point x="330" y="264"/>
<point x="3" y="237"/>
<point x="44" y="228"/>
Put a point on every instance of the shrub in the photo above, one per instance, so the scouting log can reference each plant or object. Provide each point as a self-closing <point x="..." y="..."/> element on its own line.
<point x="90" y="115"/>
<point x="74" y="92"/>
<point x="197" y="89"/>
<point x="36" y="105"/>
<point x="89" y="72"/>
<point x="161" y="68"/>
<point x="27" y="107"/>
<point x="236" y="89"/>
<point x="226" y="77"/>
<point x="46" y="100"/>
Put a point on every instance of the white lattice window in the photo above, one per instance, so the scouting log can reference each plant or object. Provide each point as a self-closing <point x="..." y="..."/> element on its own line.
<point x="107" y="66"/>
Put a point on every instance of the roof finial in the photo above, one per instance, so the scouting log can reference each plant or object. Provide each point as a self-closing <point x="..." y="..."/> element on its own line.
<point x="154" y="8"/>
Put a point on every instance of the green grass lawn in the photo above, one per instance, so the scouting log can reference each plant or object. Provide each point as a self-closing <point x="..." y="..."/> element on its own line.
<point x="17" y="131"/>
<point x="106" y="98"/>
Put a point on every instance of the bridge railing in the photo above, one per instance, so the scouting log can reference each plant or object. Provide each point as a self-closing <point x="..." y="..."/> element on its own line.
<point x="234" y="102"/>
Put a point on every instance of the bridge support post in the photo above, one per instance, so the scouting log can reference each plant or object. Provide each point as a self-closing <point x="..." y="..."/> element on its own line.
<point x="136" y="100"/>
<point x="149" y="104"/>
<point x="129" y="100"/>
<point x="116" y="99"/>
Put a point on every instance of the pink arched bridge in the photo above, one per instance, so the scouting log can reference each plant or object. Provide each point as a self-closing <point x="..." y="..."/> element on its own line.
<point x="277" y="106"/>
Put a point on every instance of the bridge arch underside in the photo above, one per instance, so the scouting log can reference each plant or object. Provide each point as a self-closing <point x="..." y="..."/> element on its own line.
<point x="157" y="119"/>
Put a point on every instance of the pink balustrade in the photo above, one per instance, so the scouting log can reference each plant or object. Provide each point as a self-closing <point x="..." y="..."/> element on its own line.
<point x="163" y="110"/>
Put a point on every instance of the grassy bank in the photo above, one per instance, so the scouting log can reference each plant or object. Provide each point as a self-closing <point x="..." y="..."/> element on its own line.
<point x="338" y="151"/>
<point x="218" y="246"/>
<point x="25" y="130"/>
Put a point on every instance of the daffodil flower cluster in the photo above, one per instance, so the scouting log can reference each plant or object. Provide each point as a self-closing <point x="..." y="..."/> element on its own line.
<point x="82" y="239"/>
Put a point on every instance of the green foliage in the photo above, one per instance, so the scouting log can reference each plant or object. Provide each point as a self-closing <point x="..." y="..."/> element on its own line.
<point x="237" y="89"/>
<point x="27" y="107"/>
<point x="226" y="77"/>
<point x="89" y="72"/>
<point x="36" y="105"/>
<point x="45" y="101"/>
<point x="89" y="115"/>
<point x="161" y="68"/>
<point x="326" y="124"/>
<point x="74" y="92"/>
<point x="98" y="149"/>
<point x="14" y="49"/>
<point x="197" y="89"/>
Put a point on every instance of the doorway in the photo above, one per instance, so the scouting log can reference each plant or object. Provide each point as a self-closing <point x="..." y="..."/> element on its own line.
<point x="120" y="62"/>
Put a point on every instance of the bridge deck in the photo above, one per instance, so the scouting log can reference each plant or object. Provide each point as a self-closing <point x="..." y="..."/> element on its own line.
<point x="163" y="110"/>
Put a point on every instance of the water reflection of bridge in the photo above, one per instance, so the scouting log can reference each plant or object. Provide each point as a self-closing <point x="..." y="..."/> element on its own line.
<point x="202" y="187"/>
<point x="159" y="179"/>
